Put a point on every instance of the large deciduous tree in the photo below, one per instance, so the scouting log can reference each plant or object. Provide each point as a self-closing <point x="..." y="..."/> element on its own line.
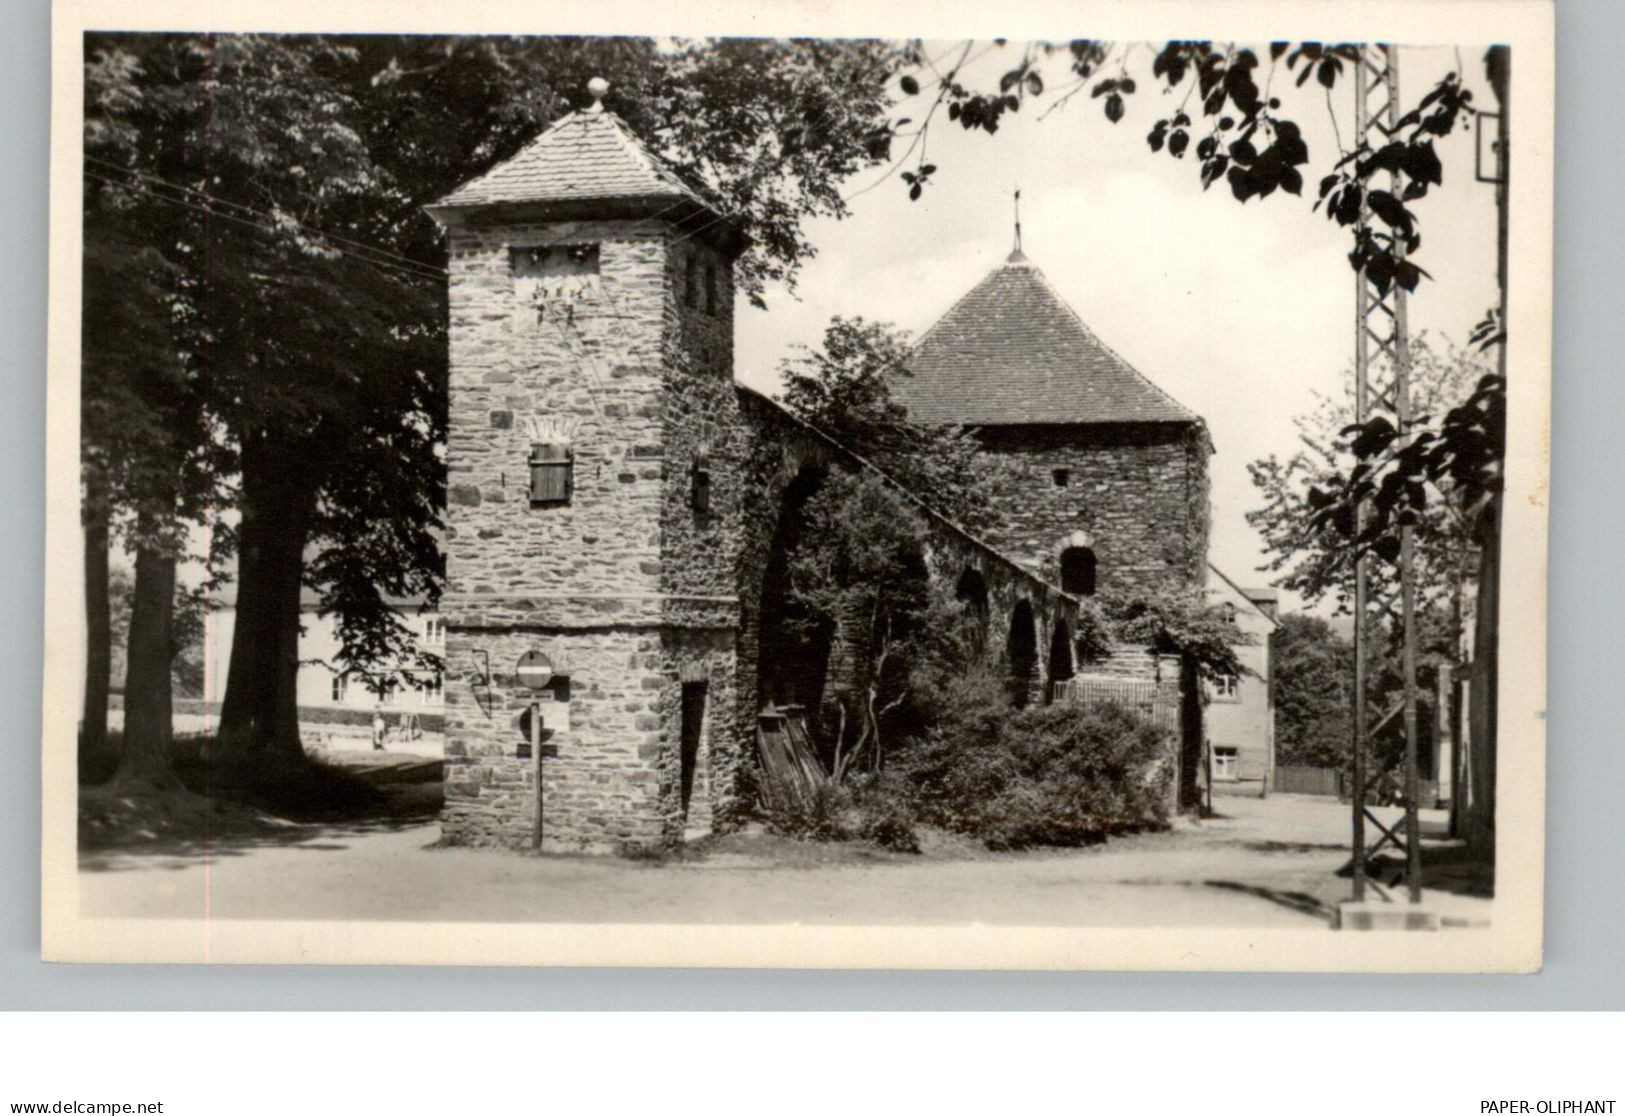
<point x="1313" y="692"/>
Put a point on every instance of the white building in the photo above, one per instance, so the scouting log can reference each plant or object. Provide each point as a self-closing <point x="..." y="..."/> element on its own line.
<point x="1240" y="714"/>
<point x="321" y="684"/>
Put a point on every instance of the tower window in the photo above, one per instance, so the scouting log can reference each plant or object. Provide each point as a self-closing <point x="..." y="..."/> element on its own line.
<point x="1078" y="570"/>
<point x="551" y="469"/>
<point x="700" y="482"/>
<point x="1062" y="477"/>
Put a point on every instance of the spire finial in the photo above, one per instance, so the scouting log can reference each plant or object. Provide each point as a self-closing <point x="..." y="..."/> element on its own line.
<point x="597" y="87"/>
<point x="1015" y="252"/>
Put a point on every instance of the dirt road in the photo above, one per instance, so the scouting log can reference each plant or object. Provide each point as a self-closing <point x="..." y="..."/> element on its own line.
<point x="1265" y="863"/>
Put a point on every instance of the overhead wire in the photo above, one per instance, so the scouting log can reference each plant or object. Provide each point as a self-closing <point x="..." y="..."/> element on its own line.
<point x="280" y="220"/>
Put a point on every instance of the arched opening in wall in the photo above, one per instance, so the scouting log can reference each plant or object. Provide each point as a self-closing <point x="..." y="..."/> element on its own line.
<point x="1078" y="570"/>
<point x="1023" y="654"/>
<point x="1060" y="659"/>
<point x="793" y="652"/>
<point x="971" y="591"/>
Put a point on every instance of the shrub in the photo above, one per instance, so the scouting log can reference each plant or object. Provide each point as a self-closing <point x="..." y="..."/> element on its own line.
<point x="1063" y="775"/>
<point x="821" y="819"/>
<point x="870" y="808"/>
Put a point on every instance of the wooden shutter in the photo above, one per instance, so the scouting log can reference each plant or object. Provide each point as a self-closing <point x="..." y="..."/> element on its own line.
<point x="550" y="473"/>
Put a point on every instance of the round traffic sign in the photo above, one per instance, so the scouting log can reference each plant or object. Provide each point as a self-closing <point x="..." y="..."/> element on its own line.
<point x="535" y="669"/>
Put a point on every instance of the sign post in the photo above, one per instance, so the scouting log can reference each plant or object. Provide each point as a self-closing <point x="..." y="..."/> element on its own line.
<point x="535" y="670"/>
<point x="536" y="751"/>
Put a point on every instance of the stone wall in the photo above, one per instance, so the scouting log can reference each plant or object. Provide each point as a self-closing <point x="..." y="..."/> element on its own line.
<point x="1139" y="491"/>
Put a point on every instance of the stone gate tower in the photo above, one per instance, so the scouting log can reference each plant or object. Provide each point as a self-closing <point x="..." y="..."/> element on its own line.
<point x="593" y="495"/>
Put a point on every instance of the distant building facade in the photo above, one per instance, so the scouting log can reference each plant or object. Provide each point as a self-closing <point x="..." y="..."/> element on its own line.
<point x="1240" y="714"/>
<point x="323" y="685"/>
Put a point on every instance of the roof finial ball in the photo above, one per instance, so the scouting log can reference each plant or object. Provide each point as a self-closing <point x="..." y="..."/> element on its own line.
<point x="597" y="87"/>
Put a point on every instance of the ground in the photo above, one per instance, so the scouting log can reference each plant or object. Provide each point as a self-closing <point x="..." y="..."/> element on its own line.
<point x="1259" y="863"/>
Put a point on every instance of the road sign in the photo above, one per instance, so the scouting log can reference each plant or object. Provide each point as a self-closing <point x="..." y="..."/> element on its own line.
<point x="535" y="669"/>
<point x="522" y="724"/>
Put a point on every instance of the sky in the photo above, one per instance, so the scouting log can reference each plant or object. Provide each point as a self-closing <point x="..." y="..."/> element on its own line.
<point x="1240" y="312"/>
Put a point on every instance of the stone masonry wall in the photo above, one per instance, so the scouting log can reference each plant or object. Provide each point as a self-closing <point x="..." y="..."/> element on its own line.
<point x="1141" y="492"/>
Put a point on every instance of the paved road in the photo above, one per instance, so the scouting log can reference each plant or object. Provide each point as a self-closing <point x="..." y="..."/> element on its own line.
<point x="1266" y="863"/>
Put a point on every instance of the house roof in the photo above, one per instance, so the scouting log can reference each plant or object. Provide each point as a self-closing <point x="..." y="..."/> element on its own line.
<point x="1252" y="597"/>
<point x="1012" y="352"/>
<point x="586" y="155"/>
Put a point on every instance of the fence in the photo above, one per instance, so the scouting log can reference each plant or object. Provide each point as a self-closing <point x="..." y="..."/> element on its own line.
<point x="1303" y="779"/>
<point x="1157" y="702"/>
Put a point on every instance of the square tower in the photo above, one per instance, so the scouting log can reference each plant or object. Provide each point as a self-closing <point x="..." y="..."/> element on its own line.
<point x="593" y="491"/>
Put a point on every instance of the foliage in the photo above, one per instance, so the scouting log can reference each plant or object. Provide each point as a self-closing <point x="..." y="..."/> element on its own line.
<point x="1049" y="775"/>
<point x="867" y="808"/>
<point x="1242" y="131"/>
<point x="1394" y="471"/>
<point x="1181" y="621"/>
<point x="859" y="571"/>
<point x="845" y="388"/>
<point x="1314" y="667"/>
<point x="1308" y="550"/>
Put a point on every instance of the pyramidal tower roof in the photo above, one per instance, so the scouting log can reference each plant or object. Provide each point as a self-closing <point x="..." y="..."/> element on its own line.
<point x="589" y="156"/>
<point x="1011" y="352"/>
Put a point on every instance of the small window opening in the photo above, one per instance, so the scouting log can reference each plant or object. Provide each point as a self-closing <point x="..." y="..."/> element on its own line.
<point x="1078" y="570"/>
<point x="341" y="686"/>
<point x="551" y="468"/>
<point x="700" y="482"/>
<point x="1063" y="477"/>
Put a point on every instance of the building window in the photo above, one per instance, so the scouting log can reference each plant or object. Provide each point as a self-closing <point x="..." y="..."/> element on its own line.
<point x="433" y="687"/>
<point x="1228" y="612"/>
<point x="434" y="630"/>
<point x="1063" y="477"/>
<point x="1225" y="687"/>
<point x="551" y="469"/>
<point x="386" y="695"/>
<point x="1078" y="571"/>
<point x="1226" y="764"/>
<point x="341" y="687"/>
<point x="699" y="495"/>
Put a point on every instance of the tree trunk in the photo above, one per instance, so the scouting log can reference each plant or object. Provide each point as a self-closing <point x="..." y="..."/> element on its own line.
<point x="259" y="718"/>
<point x="148" y="709"/>
<point x="98" y="625"/>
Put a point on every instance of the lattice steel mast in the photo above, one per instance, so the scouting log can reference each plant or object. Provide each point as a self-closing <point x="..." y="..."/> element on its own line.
<point x="1382" y="366"/>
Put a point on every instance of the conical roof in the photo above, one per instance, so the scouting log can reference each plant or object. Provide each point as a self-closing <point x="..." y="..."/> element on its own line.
<point x="589" y="155"/>
<point x="1012" y="352"/>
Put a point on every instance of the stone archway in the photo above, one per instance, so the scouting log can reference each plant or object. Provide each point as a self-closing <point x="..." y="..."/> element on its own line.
<point x="971" y="591"/>
<point x="792" y="660"/>
<point x="1061" y="666"/>
<point x="1023" y="654"/>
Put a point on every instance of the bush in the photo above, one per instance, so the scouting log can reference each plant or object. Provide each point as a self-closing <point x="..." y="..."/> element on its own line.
<point x="1062" y="775"/>
<point x="876" y="809"/>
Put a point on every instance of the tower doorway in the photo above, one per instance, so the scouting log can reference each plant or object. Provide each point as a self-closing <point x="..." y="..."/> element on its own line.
<point x="692" y="732"/>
